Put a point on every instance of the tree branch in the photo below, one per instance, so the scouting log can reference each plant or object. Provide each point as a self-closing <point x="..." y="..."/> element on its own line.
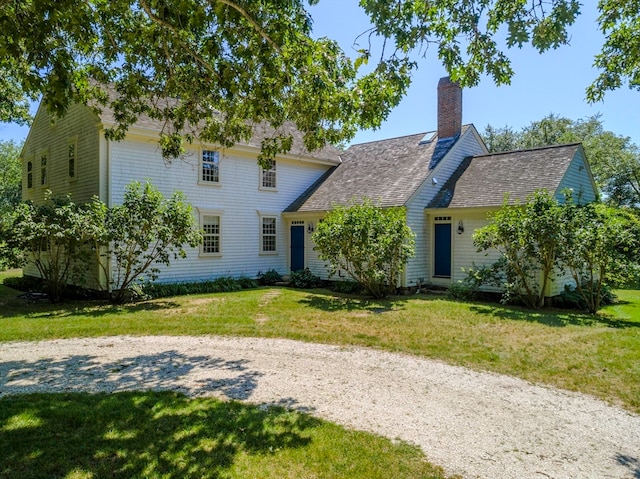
<point x="154" y="18"/>
<point x="253" y="23"/>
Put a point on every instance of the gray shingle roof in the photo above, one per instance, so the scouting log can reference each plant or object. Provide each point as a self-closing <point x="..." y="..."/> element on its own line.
<point x="387" y="171"/>
<point x="484" y="180"/>
<point x="260" y="132"/>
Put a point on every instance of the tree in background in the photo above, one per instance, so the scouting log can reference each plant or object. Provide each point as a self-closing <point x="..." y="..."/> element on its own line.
<point x="10" y="194"/>
<point x="614" y="159"/>
<point x="10" y="174"/>
<point x="369" y="243"/>
<point x="233" y="63"/>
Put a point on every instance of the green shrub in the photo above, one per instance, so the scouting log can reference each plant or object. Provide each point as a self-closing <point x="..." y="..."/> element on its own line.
<point x="304" y="279"/>
<point x="25" y="283"/>
<point x="224" y="284"/>
<point x="346" y="286"/>
<point x="570" y="298"/>
<point x="269" y="277"/>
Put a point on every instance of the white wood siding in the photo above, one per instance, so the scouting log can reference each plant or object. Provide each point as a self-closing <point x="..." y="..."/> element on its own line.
<point x="238" y="198"/>
<point x="79" y="123"/>
<point x="578" y="179"/>
<point x="419" y="267"/>
<point x="53" y="138"/>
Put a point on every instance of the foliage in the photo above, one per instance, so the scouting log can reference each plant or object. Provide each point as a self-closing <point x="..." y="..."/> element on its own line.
<point x="614" y="159"/>
<point x="476" y="277"/>
<point x="56" y="238"/>
<point x="346" y="286"/>
<point x="596" y="244"/>
<point x="223" y="284"/>
<point x="259" y="61"/>
<point x="602" y="248"/>
<point x="145" y="230"/>
<point x="369" y="243"/>
<point x="304" y="279"/>
<point x="572" y="298"/>
<point x="528" y="237"/>
<point x="254" y="61"/>
<point x="269" y="277"/>
<point x="10" y="174"/>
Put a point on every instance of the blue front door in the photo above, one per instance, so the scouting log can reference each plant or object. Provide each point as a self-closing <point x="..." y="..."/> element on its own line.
<point x="297" y="248"/>
<point x="442" y="250"/>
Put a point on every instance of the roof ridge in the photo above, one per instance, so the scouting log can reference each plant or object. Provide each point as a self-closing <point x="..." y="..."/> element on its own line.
<point x="467" y="125"/>
<point x="548" y="147"/>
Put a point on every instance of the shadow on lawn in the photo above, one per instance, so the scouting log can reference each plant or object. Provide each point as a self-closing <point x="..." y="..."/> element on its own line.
<point x="21" y="307"/>
<point x="347" y="303"/>
<point x="136" y="434"/>
<point x="554" y="318"/>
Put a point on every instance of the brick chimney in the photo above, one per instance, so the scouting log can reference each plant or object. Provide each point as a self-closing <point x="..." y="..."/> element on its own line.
<point x="449" y="108"/>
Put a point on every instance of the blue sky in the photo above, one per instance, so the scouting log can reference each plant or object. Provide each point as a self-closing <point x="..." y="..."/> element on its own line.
<point x="553" y="82"/>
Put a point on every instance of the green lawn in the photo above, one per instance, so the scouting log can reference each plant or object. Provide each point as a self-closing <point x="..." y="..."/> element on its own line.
<point x="598" y="355"/>
<point x="166" y="435"/>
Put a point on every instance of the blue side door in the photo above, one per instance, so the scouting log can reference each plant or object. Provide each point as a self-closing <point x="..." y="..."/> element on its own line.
<point x="442" y="250"/>
<point x="297" y="248"/>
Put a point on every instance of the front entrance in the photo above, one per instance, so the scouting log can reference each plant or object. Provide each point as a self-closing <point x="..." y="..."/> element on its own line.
<point x="442" y="250"/>
<point x="297" y="247"/>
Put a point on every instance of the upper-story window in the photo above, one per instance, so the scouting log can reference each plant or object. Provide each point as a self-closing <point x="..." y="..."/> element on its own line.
<point x="71" y="158"/>
<point x="43" y="168"/>
<point x="30" y="174"/>
<point x="210" y="167"/>
<point x="268" y="176"/>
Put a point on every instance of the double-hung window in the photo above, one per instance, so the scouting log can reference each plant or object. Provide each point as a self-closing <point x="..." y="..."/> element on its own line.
<point x="268" y="234"/>
<point x="71" y="158"/>
<point x="268" y="176"/>
<point x="210" y="224"/>
<point x="30" y="174"/>
<point x="43" y="168"/>
<point x="210" y="167"/>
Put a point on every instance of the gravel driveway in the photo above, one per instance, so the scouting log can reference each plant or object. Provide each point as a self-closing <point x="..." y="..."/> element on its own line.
<point x="479" y="425"/>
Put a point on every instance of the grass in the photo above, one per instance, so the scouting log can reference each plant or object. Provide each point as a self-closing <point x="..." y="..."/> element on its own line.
<point x="166" y="435"/>
<point x="598" y="355"/>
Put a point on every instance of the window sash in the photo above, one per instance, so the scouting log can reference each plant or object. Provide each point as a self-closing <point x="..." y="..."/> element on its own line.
<point x="268" y="235"/>
<point x="269" y="176"/>
<point x="43" y="169"/>
<point x="211" y="234"/>
<point x="210" y="171"/>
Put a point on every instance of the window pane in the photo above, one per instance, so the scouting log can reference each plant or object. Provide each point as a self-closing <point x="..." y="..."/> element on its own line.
<point x="269" y="176"/>
<point x="210" y="166"/>
<point x="72" y="160"/>
<point x="211" y="236"/>
<point x="268" y="234"/>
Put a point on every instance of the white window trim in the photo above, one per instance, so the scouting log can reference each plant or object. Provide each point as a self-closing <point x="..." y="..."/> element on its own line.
<point x="200" y="168"/>
<point x="73" y="141"/>
<point x="202" y="213"/>
<point x="31" y="160"/>
<point x="261" y="179"/>
<point x="38" y="164"/>
<point x="262" y="216"/>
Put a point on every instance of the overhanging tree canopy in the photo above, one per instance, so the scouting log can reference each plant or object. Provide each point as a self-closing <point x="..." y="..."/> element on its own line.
<point x="258" y="61"/>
